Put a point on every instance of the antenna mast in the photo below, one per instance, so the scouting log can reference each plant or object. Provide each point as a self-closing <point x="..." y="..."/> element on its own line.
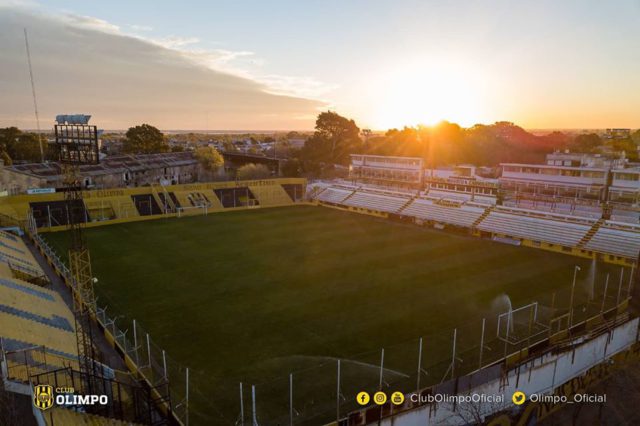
<point x="33" y="92"/>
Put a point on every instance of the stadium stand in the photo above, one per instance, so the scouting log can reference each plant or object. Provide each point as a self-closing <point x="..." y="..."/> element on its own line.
<point x="146" y="204"/>
<point x="334" y="195"/>
<point x="126" y="204"/>
<point x="236" y="197"/>
<point x="273" y="195"/>
<point x="16" y="256"/>
<point x="61" y="416"/>
<point x="427" y="209"/>
<point x="54" y="213"/>
<point x="199" y="199"/>
<point x="294" y="190"/>
<point x="449" y="195"/>
<point x="581" y="229"/>
<point x="32" y="316"/>
<point x="379" y="202"/>
<point x="527" y="224"/>
<point x="616" y="238"/>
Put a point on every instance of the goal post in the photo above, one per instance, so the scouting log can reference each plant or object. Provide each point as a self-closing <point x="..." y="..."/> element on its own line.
<point x="192" y="211"/>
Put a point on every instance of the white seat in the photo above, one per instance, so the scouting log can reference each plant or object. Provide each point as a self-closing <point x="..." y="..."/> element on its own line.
<point x="377" y="202"/>
<point x="534" y="228"/>
<point x="427" y="210"/>
<point x="614" y="239"/>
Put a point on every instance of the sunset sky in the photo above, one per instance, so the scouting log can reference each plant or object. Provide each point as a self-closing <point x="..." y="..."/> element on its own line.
<point x="275" y="64"/>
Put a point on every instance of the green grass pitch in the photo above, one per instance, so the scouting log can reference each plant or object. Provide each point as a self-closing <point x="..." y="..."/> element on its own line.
<point x="254" y="295"/>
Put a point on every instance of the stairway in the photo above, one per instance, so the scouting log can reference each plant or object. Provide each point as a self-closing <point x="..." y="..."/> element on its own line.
<point x="482" y="217"/>
<point x="316" y="191"/>
<point x="405" y="205"/>
<point x="349" y="196"/>
<point x="590" y="233"/>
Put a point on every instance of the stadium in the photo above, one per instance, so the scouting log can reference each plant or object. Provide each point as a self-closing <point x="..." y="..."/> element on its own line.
<point x="277" y="301"/>
<point x="227" y="248"/>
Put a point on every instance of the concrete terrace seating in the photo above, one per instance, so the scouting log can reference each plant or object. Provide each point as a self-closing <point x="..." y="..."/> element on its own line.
<point x="428" y="210"/>
<point x="550" y="230"/>
<point x="61" y="416"/>
<point x="334" y="195"/>
<point x="34" y="316"/>
<point x="379" y="202"/>
<point x="616" y="238"/>
<point x="13" y="251"/>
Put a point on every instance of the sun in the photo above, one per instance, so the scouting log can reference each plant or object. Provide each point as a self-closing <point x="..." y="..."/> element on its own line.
<point x="424" y="92"/>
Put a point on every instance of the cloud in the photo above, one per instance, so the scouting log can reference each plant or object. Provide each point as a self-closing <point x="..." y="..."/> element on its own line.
<point x="87" y="65"/>
<point x="173" y="42"/>
<point x="245" y="64"/>
<point x="91" y="23"/>
<point x="136" y="27"/>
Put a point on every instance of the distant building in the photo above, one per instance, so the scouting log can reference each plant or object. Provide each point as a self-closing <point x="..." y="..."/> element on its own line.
<point x="463" y="182"/>
<point x="402" y="171"/>
<point x="574" y="181"/>
<point x="297" y="143"/>
<point x="113" y="172"/>
<point x="617" y="133"/>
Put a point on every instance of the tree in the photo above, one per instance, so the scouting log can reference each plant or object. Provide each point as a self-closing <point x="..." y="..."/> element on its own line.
<point x="291" y="168"/>
<point x="209" y="158"/>
<point x="144" y="139"/>
<point x="334" y="139"/>
<point x="586" y="143"/>
<point x="253" y="171"/>
<point x="20" y="146"/>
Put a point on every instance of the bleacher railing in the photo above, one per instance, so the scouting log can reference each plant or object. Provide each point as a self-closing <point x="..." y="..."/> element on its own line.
<point x="325" y="391"/>
<point x="167" y="379"/>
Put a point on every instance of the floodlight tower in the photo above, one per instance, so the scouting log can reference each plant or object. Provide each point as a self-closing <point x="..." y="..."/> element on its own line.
<point x="77" y="143"/>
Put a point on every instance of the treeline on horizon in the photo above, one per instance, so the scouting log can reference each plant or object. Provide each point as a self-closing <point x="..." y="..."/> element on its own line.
<point x="445" y="143"/>
<point x="336" y="137"/>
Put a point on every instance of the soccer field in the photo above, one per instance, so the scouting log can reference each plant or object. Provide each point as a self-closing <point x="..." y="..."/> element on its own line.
<point x="255" y="295"/>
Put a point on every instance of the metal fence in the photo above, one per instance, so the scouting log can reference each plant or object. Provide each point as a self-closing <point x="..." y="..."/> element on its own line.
<point x="326" y="392"/>
<point x="163" y="374"/>
<point x="318" y="390"/>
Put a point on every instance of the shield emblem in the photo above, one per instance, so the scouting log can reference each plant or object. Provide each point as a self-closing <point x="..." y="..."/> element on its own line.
<point x="43" y="396"/>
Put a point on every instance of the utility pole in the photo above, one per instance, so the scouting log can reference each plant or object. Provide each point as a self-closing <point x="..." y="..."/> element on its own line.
<point x="33" y="92"/>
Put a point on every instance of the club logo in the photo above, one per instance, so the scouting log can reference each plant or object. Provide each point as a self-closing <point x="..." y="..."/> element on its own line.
<point x="43" y="396"/>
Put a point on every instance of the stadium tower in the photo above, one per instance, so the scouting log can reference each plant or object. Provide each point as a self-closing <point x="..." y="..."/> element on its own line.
<point x="77" y="144"/>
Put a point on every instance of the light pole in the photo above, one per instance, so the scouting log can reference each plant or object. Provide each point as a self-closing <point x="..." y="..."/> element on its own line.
<point x="573" y="287"/>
